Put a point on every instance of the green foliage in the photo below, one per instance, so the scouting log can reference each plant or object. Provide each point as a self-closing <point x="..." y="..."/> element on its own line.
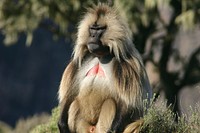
<point x="145" y="12"/>
<point x="160" y="118"/>
<point x="22" y="16"/>
<point x="51" y="126"/>
<point x="194" y="120"/>
<point x="186" y="19"/>
<point x="189" y="14"/>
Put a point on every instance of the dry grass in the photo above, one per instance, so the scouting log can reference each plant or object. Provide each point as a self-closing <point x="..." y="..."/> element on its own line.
<point x="158" y="119"/>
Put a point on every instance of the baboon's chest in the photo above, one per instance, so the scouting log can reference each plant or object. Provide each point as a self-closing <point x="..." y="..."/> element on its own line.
<point x="96" y="70"/>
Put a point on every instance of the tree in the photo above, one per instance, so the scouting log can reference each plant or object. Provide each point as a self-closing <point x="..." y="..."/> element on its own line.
<point x="155" y="25"/>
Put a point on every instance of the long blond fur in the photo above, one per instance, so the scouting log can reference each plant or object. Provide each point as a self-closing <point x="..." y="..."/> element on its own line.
<point x="130" y="79"/>
<point x="119" y="39"/>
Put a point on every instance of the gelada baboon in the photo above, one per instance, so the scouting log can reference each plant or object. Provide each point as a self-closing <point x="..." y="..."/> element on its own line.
<point x="103" y="87"/>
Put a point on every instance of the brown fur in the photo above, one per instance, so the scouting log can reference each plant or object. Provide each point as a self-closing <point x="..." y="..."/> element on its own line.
<point x="93" y="104"/>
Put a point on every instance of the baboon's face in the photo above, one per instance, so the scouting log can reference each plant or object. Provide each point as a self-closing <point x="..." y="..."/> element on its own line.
<point x="94" y="44"/>
<point x="102" y="32"/>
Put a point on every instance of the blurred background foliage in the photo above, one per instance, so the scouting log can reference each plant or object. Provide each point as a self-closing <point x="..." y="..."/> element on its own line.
<point x="161" y="30"/>
<point x="22" y="16"/>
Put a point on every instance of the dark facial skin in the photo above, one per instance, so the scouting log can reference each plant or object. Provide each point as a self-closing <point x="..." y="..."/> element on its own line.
<point x="95" y="45"/>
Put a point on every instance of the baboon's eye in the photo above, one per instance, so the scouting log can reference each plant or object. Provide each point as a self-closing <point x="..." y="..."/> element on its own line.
<point x="96" y="31"/>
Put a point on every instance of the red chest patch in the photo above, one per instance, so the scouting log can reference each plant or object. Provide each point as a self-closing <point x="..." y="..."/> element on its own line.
<point x="96" y="70"/>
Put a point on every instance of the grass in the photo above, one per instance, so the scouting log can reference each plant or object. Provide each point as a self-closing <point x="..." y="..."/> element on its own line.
<point x="158" y="119"/>
<point x="51" y="126"/>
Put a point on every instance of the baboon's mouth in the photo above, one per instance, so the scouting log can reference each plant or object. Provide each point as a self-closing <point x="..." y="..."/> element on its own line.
<point x="98" y="49"/>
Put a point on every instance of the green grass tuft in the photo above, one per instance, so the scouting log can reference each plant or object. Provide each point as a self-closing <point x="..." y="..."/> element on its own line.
<point x="158" y="119"/>
<point x="51" y="126"/>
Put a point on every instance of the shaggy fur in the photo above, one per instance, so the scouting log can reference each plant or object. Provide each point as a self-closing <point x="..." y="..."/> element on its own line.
<point x="124" y="87"/>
